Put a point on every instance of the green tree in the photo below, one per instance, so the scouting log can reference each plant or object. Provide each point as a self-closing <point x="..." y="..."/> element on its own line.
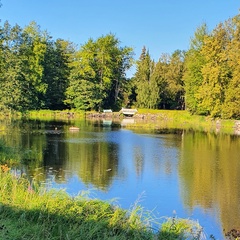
<point x="146" y="83"/>
<point x="80" y="93"/>
<point x="33" y="51"/>
<point x="171" y="81"/>
<point x="57" y="60"/>
<point x="193" y="77"/>
<point x="11" y="78"/>
<point x="23" y="52"/>
<point x="98" y="74"/>
<point x="230" y="108"/>
<point x="215" y="72"/>
<point x="160" y="85"/>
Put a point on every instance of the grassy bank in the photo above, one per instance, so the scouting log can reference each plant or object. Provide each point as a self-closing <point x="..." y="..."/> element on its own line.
<point x="145" y="119"/>
<point x="28" y="211"/>
<point x="49" y="114"/>
<point x="158" y="119"/>
<point x="173" y="119"/>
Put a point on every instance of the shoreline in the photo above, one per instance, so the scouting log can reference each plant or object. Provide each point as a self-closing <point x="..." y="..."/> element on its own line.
<point x="143" y="119"/>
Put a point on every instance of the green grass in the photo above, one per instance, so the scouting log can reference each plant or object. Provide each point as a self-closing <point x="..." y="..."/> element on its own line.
<point x="145" y="119"/>
<point x="28" y="212"/>
<point x="175" y="228"/>
<point x="50" y="115"/>
<point x="180" y="119"/>
<point x="152" y="119"/>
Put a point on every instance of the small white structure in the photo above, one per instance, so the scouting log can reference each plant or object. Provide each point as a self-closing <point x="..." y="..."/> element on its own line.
<point x="107" y="110"/>
<point x="128" y="111"/>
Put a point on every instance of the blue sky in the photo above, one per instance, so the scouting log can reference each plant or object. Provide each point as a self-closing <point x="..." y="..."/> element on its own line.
<point x="163" y="26"/>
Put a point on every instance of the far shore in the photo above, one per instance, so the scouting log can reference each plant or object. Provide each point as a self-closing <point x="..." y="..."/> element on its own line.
<point x="146" y="119"/>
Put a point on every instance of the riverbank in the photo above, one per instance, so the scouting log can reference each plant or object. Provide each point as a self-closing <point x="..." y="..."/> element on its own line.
<point x="144" y="119"/>
<point x="149" y="119"/>
<point x="158" y="120"/>
<point x="28" y="211"/>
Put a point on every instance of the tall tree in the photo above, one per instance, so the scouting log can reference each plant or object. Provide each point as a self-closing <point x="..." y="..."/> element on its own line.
<point x="33" y="50"/>
<point x="30" y="78"/>
<point x="230" y="108"/>
<point x="193" y="77"/>
<point x="146" y="84"/>
<point x="216" y="72"/>
<point x="98" y="73"/>
<point x="11" y="78"/>
<point x="172" y="91"/>
<point x="57" y="60"/>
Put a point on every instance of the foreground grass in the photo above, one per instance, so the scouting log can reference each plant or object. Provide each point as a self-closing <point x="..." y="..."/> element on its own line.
<point x="33" y="213"/>
<point x="30" y="212"/>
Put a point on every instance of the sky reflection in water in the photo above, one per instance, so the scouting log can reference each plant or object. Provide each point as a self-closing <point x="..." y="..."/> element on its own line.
<point x="193" y="173"/>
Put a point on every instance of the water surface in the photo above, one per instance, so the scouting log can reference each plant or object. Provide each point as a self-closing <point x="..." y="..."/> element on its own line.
<point x="194" y="174"/>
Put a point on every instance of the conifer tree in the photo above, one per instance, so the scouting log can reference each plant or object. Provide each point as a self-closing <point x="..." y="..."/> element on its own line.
<point x="146" y="84"/>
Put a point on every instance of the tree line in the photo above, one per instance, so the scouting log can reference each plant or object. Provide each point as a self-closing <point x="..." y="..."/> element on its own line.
<point x="38" y="72"/>
<point x="204" y="79"/>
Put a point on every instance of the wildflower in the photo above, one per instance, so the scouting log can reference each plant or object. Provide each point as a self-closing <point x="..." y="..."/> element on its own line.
<point x="4" y="168"/>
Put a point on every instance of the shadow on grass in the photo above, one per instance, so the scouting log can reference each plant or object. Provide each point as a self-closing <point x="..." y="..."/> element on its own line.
<point x="17" y="223"/>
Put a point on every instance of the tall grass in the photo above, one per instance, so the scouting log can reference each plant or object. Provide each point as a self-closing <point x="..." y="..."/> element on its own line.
<point x="175" y="228"/>
<point x="28" y="211"/>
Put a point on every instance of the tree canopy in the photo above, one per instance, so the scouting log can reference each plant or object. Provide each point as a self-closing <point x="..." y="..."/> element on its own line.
<point x="98" y="74"/>
<point x="38" y="72"/>
<point x="212" y="67"/>
<point x="33" y="69"/>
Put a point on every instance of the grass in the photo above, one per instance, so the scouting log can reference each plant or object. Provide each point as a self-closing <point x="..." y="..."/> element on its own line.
<point x="50" y="114"/>
<point x="160" y="120"/>
<point x="175" y="228"/>
<point x="145" y="118"/>
<point x="28" y="211"/>
<point x="180" y="119"/>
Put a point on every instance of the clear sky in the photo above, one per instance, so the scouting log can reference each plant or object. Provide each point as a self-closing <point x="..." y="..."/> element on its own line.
<point x="163" y="26"/>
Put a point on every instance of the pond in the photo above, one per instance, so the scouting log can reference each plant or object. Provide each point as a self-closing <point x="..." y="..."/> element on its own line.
<point x="188" y="173"/>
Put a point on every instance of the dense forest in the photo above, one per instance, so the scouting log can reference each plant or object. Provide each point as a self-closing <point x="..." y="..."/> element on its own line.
<point x="38" y="72"/>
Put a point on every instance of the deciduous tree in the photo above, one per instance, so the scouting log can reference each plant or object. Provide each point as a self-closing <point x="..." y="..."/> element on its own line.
<point x="193" y="77"/>
<point x="98" y="73"/>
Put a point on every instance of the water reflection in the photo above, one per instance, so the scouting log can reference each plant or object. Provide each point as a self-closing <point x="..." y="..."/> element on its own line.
<point x="209" y="171"/>
<point x="87" y="154"/>
<point x="203" y="167"/>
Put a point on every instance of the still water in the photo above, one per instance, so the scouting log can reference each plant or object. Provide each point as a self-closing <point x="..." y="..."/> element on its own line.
<point x="195" y="174"/>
